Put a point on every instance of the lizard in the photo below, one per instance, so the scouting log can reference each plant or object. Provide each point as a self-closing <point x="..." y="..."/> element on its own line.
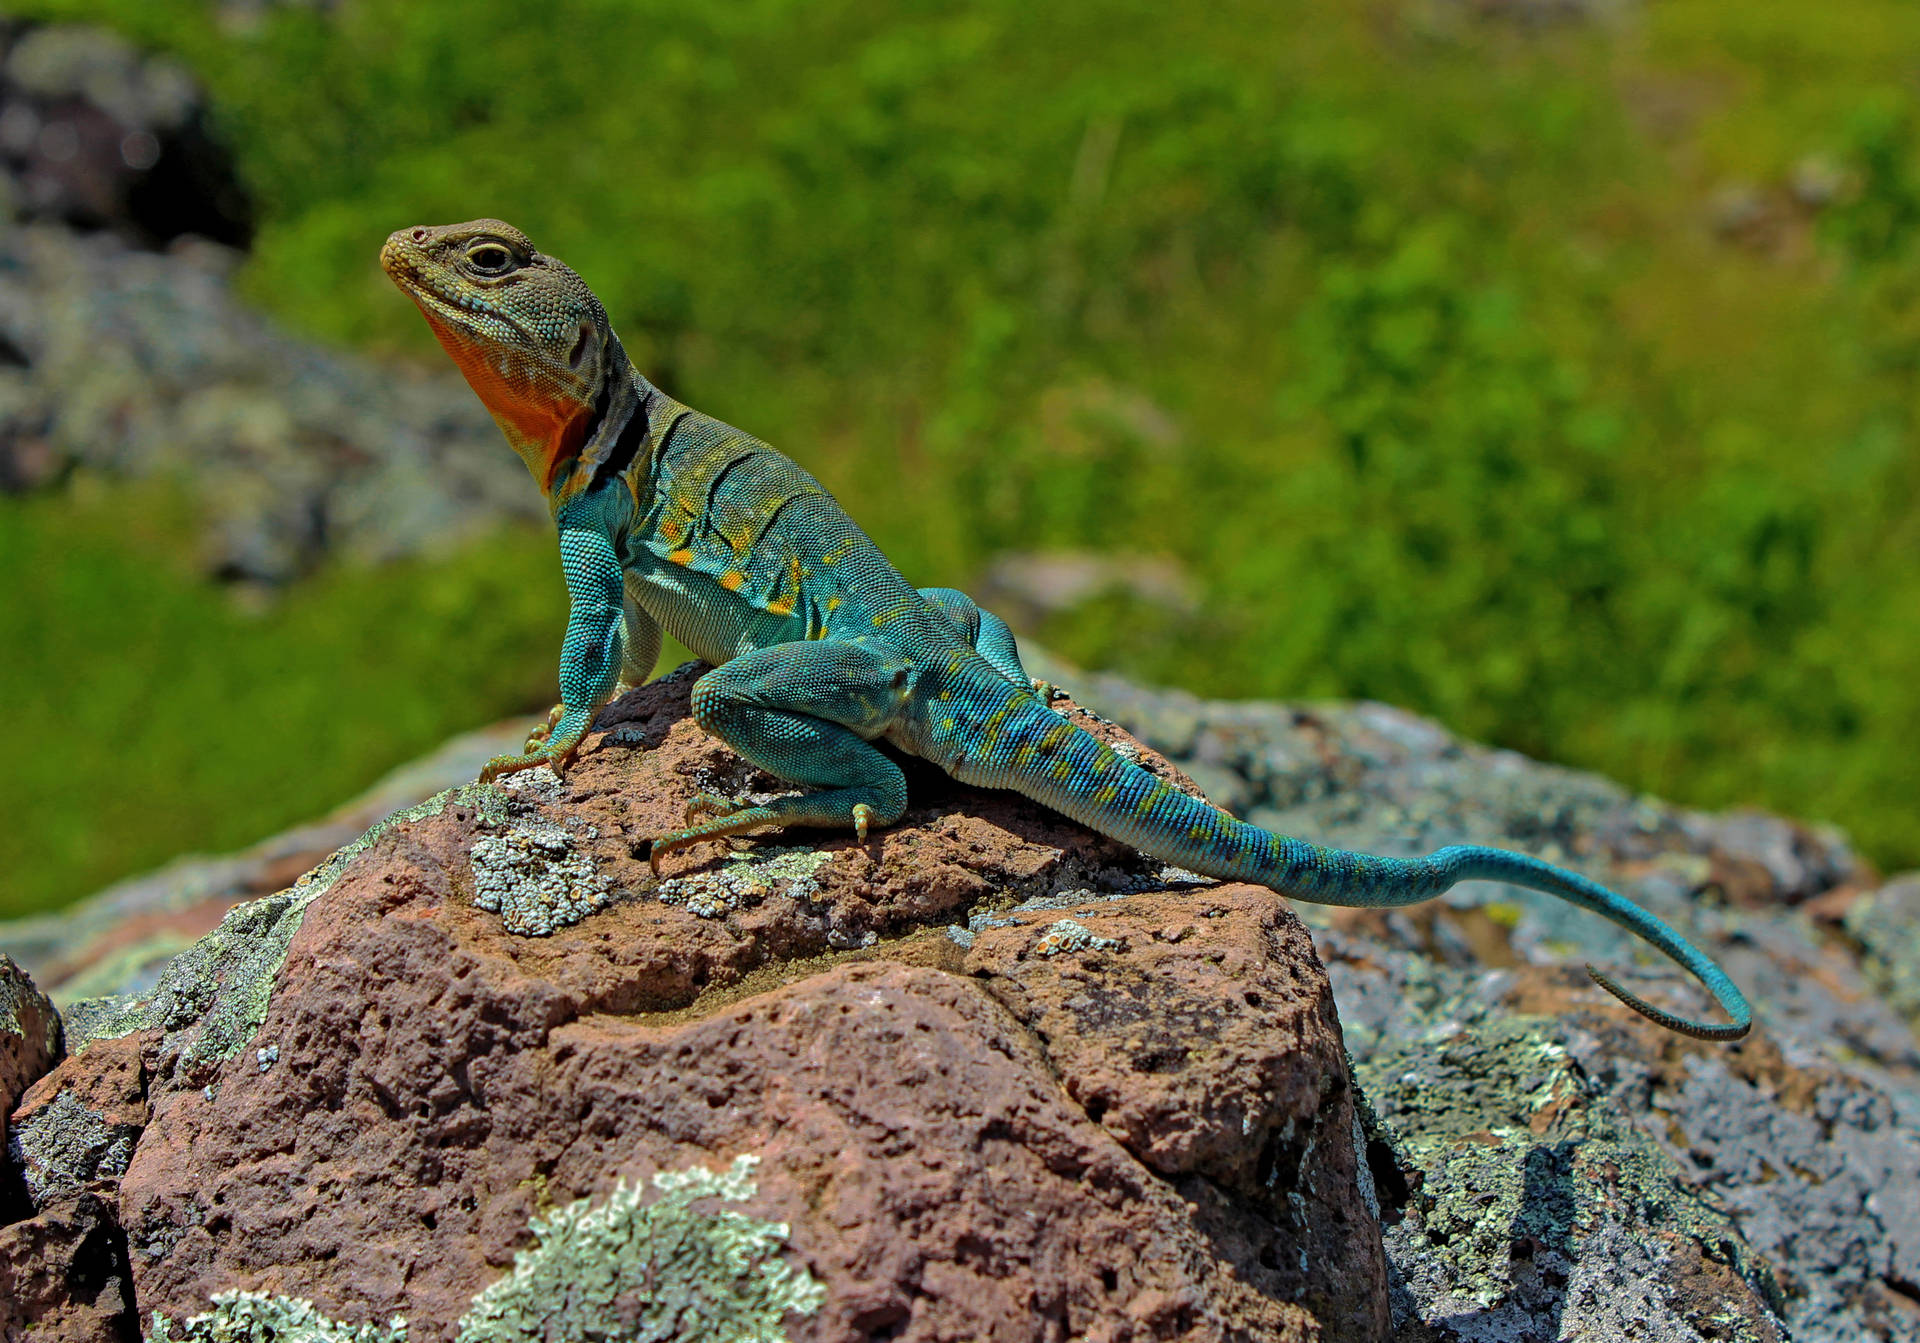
<point x="821" y="651"/>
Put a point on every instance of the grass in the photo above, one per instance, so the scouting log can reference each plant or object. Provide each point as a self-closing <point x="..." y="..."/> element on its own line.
<point x="1408" y="337"/>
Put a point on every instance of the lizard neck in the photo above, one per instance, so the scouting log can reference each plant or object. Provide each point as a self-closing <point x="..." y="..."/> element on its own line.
<point x="616" y="429"/>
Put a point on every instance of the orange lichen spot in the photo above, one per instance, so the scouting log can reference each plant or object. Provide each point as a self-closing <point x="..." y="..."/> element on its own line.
<point x="733" y="580"/>
<point x="680" y="556"/>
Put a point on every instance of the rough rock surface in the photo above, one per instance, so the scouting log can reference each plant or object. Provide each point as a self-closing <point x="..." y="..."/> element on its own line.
<point x="29" y="1044"/>
<point x="1546" y="1165"/>
<point x="119" y="941"/>
<point x="989" y="1097"/>
<point x="1565" y="1170"/>
<point x="62" y="1259"/>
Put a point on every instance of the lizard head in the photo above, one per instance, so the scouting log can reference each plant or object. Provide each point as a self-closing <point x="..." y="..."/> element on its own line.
<point x="530" y="337"/>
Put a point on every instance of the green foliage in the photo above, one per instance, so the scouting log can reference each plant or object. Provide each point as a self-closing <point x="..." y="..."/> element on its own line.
<point x="1406" y="334"/>
<point x="650" y="1272"/>
<point x="166" y="712"/>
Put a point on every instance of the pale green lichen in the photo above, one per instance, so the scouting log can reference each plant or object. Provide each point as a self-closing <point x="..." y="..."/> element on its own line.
<point x="650" y="1272"/>
<point x="255" y="1317"/>
<point x="746" y="880"/>
<point x="1067" y="936"/>
<point x="213" y="996"/>
<point x="623" y="1269"/>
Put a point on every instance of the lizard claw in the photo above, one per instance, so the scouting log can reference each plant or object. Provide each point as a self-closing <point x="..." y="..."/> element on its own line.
<point x="557" y="761"/>
<point x="862" y="818"/>
<point x="538" y="737"/>
<point x="706" y="806"/>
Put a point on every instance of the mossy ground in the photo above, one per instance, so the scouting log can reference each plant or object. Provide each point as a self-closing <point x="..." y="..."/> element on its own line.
<point x="1425" y="345"/>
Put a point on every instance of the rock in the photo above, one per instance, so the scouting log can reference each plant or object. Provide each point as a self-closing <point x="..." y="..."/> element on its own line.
<point x="1547" y="1165"/>
<point x="96" y="134"/>
<point x="1886" y="924"/>
<point x="1539" y="1092"/>
<point x="77" y="1128"/>
<point x="364" y="1090"/>
<point x="142" y="366"/>
<point x="63" y="1274"/>
<point x="29" y="1044"/>
<point x="117" y="942"/>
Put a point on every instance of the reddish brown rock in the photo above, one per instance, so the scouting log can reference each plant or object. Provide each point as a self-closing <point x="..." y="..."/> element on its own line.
<point x="63" y="1275"/>
<point x="1105" y="1120"/>
<point x="29" y="1042"/>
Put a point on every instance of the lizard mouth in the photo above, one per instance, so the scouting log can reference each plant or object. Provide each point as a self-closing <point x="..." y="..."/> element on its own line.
<point x="420" y="283"/>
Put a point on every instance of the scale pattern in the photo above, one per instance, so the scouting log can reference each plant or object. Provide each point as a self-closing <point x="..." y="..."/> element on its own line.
<point x="670" y="520"/>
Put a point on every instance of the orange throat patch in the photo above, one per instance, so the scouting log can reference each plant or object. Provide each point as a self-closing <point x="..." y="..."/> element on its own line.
<point x="545" y="425"/>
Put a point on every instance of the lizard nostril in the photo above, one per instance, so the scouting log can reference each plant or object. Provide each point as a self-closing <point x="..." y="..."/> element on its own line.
<point x="419" y="235"/>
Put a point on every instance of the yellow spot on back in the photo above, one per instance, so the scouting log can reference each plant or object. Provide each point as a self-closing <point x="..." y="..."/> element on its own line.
<point x="733" y="580"/>
<point x="782" y="607"/>
<point x="680" y="557"/>
<point x="833" y="604"/>
<point x="946" y="724"/>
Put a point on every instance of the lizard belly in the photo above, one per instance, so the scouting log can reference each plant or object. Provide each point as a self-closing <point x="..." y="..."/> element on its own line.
<point x="713" y="622"/>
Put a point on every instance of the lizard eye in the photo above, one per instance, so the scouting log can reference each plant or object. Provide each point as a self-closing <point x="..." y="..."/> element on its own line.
<point x="489" y="258"/>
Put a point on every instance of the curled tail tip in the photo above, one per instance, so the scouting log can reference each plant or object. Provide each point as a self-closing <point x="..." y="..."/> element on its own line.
<point x="1700" y="1030"/>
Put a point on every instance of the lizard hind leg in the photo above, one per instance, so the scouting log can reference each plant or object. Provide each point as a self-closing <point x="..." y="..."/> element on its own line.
<point x="989" y="636"/>
<point x="791" y="710"/>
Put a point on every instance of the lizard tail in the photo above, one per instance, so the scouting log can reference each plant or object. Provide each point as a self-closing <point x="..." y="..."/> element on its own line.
<point x="1035" y="752"/>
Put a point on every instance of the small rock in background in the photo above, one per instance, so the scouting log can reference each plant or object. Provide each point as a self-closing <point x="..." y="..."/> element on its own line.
<point x="124" y="353"/>
<point x="97" y="135"/>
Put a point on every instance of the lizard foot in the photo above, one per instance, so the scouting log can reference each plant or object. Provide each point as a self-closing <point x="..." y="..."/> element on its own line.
<point x="555" y="759"/>
<point x="816" y="809"/>
<point x="716" y="827"/>
<point x="707" y="806"/>
<point x="1047" y="691"/>
<point x="538" y="737"/>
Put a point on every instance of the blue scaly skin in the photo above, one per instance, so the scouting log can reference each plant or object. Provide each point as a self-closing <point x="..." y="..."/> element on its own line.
<point x="671" y="520"/>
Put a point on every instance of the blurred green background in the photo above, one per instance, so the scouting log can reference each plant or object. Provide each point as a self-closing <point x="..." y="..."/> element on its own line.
<point x="1548" y="371"/>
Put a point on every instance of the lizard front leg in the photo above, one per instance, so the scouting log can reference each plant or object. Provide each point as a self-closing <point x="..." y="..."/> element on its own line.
<point x="640" y="640"/>
<point x="990" y="636"/>
<point x="592" y="654"/>
<point x="799" y="711"/>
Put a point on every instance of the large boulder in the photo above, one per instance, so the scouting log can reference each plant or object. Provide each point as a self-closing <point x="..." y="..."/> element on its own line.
<point x="999" y="1078"/>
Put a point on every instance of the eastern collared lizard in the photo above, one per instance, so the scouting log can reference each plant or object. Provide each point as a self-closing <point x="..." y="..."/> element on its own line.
<point x="820" y="648"/>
